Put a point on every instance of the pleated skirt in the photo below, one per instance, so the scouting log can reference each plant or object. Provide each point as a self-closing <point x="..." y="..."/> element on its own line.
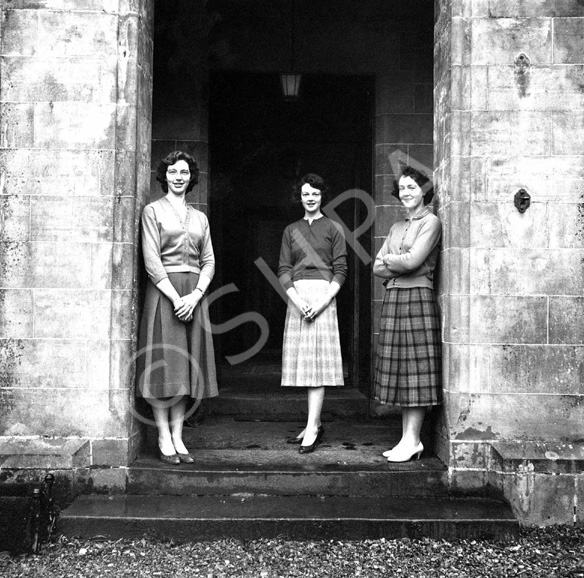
<point x="408" y="364"/>
<point x="175" y="358"/>
<point x="311" y="354"/>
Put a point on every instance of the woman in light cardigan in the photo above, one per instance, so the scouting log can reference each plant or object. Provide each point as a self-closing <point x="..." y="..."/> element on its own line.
<point x="176" y="359"/>
<point x="408" y="366"/>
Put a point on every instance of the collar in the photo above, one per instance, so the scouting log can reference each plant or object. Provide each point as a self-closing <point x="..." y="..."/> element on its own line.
<point x="425" y="213"/>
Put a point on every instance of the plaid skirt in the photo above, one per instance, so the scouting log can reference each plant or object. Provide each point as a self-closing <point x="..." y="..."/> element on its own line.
<point x="175" y="358"/>
<point x="311" y="354"/>
<point x="408" y="364"/>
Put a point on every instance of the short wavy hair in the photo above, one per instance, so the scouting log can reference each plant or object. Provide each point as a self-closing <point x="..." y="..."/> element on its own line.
<point x="420" y="179"/>
<point x="316" y="182"/>
<point x="171" y="159"/>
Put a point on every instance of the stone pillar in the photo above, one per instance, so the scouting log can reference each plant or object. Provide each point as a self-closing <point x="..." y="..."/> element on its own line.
<point x="509" y="105"/>
<point x="75" y="124"/>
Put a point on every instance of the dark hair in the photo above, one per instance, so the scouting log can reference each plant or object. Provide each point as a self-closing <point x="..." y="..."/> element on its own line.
<point x="420" y="179"/>
<point x="315" y="181"/>
<point x="171" y="159"/>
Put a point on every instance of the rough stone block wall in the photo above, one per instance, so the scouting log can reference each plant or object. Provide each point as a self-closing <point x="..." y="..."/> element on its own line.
<point x="75" y="110"/>
<point x="509" y="110"/>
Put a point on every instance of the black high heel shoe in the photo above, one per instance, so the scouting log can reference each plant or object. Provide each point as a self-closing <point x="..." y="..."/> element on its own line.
<point x="295" y="441"/>
<point x="309" y="449"/>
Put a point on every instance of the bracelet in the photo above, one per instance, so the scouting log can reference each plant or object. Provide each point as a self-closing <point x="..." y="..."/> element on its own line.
<point x="197" y="288"/>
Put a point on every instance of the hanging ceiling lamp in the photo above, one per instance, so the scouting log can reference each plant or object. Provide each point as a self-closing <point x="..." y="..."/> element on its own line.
<point x="291" y="80"/>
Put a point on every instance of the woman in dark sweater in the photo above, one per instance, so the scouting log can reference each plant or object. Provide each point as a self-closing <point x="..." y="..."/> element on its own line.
<point x="312" y="268"/>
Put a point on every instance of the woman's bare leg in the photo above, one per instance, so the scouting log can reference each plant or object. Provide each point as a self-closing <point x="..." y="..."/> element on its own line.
<point x="177" y="418"/>
<point x="161" y="418"/>
<point x="315" y="401"/>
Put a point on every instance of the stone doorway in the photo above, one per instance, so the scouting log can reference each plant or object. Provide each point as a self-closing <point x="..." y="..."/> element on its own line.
<point x="259" y="145"/>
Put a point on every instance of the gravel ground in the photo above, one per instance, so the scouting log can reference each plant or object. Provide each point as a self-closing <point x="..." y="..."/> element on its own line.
<point x="551" y="552"/>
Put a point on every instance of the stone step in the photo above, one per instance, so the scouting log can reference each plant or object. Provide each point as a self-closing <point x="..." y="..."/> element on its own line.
<point x="269" y="403"/>
<point x="256" y="458"/>
<point x="244" y="516"/>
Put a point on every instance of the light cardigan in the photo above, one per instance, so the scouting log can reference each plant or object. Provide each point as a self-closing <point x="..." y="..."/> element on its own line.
<point x="324" y="242"/>
<point x="412" y="246"/>
<point x="170" y="245"/>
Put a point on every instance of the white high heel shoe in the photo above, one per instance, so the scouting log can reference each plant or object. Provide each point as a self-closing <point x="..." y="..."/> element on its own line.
<point x="400" y="455"/>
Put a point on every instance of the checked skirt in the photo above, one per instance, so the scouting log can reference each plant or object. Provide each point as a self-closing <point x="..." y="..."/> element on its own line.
<point x="408" y="364"/>
<point x="311" y="353"/>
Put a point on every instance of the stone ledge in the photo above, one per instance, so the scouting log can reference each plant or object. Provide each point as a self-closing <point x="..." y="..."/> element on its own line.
<point x="542" y="457"/>
<point x="61" y="454"/>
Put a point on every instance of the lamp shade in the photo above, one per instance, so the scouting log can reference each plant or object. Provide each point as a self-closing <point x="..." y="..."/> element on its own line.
<point x="290" y="84"/>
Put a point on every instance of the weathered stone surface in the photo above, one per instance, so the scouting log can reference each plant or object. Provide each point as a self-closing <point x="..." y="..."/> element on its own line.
<point x="569" y="40"/>
<point x="20" y="33"/>
<point x="72" y="219"/>
<point x="499" y="40"/>
<point x="73" y="79"/>
<point x="16" y="125"/>
<point x="536" y="369"/>
<point x="122" y="311"/>
<point x="508" y="319"/>
<point x="459" y="128"/>
<point x="527" y="272"/>
<point x="73" y="5"/>
<point x="506" y="132"/>
<point x="65" y="413"/>
<point x="548" y="88"/>
<point x="566" y="226"/>
<point x="579" y="500"/>
<point x="74" y="125"/>
<point x="14" y="218"/>
<point x="121" y="362"/>
<point x="468" y="365"/>
<point x="566" y="140"/>
<point x="16" y="313"/>
<point x="540" y="499"/>
<point x="58" y="172"/>
<point x="455" y="271"/>
<point x="554" y="179"/>
<point x="509" y="416"/>
<point x="48" y="454"/>
<point x="456" y="225"/>
<point x="109" y="452"/>
<point x="470" y="90"/>
<point x="77" y="34"/>
<point x="474" y="455"/>
<point x="124" y="267"/>
<point x="564" y="313"/>
<point x="469" y="480"/>
<point x="124" y="220"/>
<point x="461" y="47"/>
<point x="523" y="8"/>
<point x="456" y="313"/>
<point x="80" y="314"/>
<point x="51" y="364"/>
<point x="498" y="225"/>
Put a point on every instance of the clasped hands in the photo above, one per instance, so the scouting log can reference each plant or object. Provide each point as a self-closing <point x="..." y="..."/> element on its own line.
<point x="184" y="307"/>
<point x="311" y="311"/>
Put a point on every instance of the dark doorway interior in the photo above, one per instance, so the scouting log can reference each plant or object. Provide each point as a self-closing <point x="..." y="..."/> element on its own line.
<point x="259" y="144"/>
